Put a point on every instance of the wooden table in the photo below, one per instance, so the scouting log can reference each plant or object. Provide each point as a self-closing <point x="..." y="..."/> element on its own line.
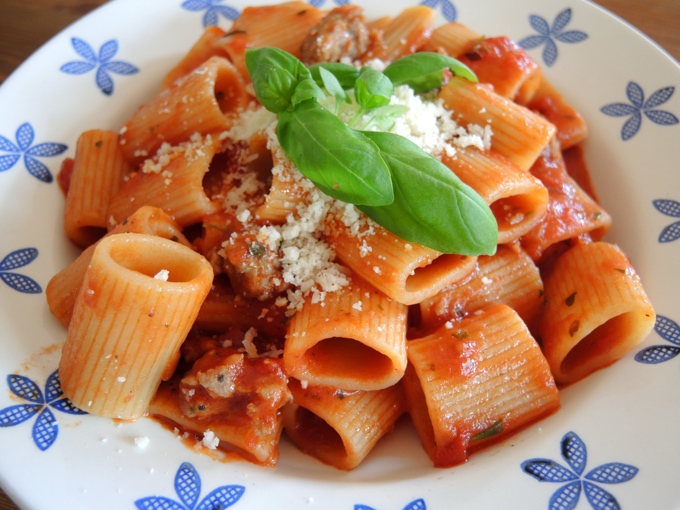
<point x="25" y="25"/>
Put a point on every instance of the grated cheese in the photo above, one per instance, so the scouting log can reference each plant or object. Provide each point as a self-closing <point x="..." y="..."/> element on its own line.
<point x="210" y="440"/>
<point x="307" y="261"/>
<point x="250" y="348"/>
<point x="162" y="275"/>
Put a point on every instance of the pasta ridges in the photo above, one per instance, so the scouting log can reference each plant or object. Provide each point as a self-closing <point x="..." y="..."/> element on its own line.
<point x="596" y="310"/>
<point x="474" y="374"/>
<point x="121" y="371"/>
<point x="353" y="339"/>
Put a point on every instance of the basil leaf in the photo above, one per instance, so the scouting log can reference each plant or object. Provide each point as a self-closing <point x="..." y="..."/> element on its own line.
<point x="275" y="75"/>
<point x="332" y="86"/>
<point x="372" y="89"/>
<point x="344" y="73"/>
<point x="340" y="161"/>
<point x="384" y="117"/>
<point x="431" y="205"/>
<point x="306" y="89"/>
<point x="423" y="71"/>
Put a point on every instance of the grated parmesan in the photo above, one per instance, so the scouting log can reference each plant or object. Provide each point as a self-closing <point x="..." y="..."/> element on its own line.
<point x="307" y="261"/>
<point x="162" y="275"/>
<point x="210" y="440"/>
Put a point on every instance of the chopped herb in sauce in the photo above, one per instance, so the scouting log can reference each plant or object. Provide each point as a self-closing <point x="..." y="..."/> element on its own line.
<point x="256" y="249"/>
<point x="574" y="327"/>
<point x="493" y="430"/>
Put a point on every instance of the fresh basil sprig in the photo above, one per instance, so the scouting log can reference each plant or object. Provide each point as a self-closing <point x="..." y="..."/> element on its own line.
<point x="391" y="179"/>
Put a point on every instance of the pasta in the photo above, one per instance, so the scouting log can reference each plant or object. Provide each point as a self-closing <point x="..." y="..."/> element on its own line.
<point x="112" y="363"/>
<point x="226" y="289"/>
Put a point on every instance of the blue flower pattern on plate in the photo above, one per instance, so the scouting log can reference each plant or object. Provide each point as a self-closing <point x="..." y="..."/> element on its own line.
<point x="188" y="488"/>
<point x="548" y="34"/>
<point x="100" y="61"/>
<point x="24" y="137"/>
<point x="448" y="9"/>
<point x="669" y="208"/>
<point x="319" y="3"/>
<point x="213" y="9"/>
<point x="15" y="260"/>
<point x="638" y="106"/>
<point x="418" y="504"/>
<point x="574" y="451"/>
<point x="668" y="330"/>
<point x="45" y="428"/>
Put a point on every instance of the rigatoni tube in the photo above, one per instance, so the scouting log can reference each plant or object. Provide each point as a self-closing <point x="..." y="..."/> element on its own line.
<point x="136" y="305"/>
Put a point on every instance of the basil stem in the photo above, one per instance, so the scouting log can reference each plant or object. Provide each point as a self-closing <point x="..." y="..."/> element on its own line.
<point x="340" y="161"/>
<point x="432" y="206"/>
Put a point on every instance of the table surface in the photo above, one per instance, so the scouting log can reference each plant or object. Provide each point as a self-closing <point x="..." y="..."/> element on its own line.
<point x="25" y="26"/>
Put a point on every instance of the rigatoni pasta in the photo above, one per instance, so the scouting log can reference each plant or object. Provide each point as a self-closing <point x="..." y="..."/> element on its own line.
<point x="340" y="427"/>
<point x="232" y="299"/>
<point x="355" y="339"/>
<point x="199" y="102"/>
<point x="474" y="381"/>
<point x="98" y="171"/>
<point x="596" y="310"/>
<point x="63" y="287"/>
<point x="112" y="362"/>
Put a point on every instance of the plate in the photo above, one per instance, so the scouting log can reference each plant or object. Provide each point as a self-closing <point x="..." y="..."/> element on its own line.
<point x="620" y="424"/>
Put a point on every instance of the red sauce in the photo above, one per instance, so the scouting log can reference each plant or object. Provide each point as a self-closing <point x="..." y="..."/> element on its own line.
<point x="64" y="175"/>
<point x="501" y="62"/>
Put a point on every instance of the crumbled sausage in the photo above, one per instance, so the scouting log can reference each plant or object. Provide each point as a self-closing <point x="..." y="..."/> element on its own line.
<point x="341" y="33"/>
<point x="253" y="268"/>
<point x="224" y="381"/>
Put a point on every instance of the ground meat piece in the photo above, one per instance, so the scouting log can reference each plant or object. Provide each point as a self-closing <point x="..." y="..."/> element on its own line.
<point x="253" y="269"/>
<point x="226" y="382"/>
<point x="341" y="33"/>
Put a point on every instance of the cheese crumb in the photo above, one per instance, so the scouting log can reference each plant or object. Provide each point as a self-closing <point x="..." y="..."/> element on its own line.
<point x="251" y="349"/>
<point x="162" y="275"/>
<point x="142" y="442"/>
<point x="210" y="440"/>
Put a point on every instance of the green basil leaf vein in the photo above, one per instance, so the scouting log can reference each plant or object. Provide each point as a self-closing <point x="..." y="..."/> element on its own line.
<point x="432" y="206"/>
<point x="340" y="161"/>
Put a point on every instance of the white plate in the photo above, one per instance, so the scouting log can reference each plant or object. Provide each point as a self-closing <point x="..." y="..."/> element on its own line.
<point x="625" y="417"/>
